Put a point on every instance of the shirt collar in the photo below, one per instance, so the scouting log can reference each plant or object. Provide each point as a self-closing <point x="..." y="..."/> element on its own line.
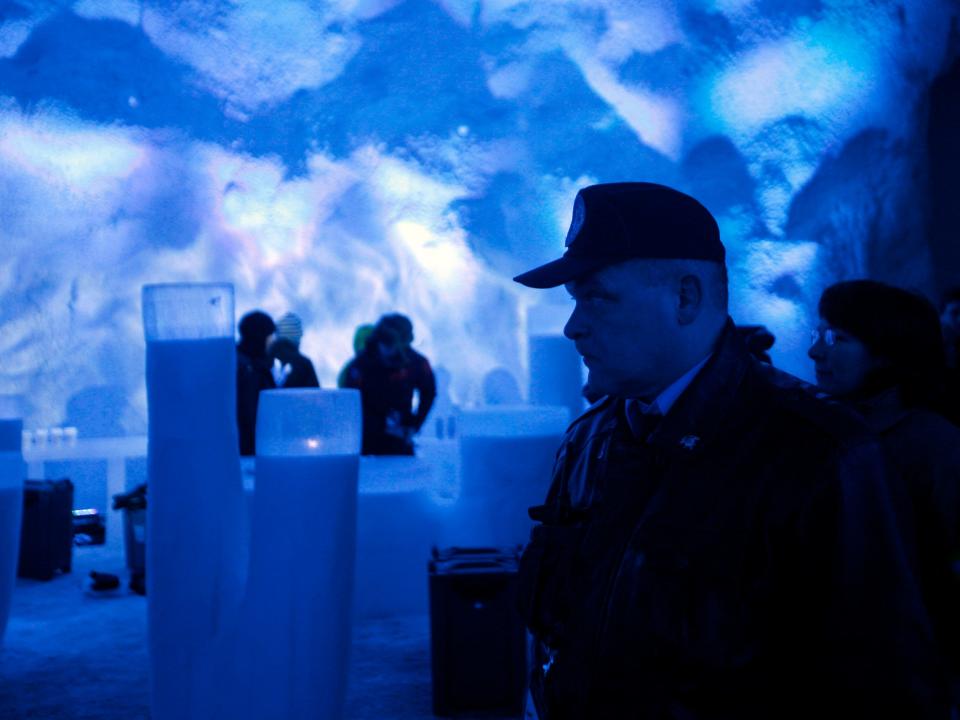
<point x="664" y="401"/>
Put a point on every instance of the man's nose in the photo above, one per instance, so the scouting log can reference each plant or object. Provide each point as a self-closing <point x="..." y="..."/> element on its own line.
<point x="574" y="328"/>
<point x="816" y="350"/>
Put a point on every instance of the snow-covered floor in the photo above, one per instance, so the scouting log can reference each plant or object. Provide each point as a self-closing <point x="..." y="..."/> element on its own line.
<point x="71" y="654"/>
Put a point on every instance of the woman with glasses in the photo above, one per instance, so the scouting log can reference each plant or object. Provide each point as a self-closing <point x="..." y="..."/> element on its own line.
<point x="878" y="348"/>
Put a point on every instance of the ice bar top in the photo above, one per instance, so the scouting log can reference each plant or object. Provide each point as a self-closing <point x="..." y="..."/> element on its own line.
<point x="187" y="311"/>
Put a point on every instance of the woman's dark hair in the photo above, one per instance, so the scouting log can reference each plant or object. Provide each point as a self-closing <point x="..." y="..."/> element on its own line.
<point x="898" y="326"/>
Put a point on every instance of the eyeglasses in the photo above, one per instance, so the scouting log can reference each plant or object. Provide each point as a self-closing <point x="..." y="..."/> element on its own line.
<point x="829" y="336"/>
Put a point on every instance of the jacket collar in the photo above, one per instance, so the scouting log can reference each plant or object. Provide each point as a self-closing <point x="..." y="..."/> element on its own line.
<point x="883" y="411"/>
<point x="698" y="414"/>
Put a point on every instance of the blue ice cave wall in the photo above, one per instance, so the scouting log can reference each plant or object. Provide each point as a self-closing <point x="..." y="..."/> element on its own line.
<point x="350" y="157"/>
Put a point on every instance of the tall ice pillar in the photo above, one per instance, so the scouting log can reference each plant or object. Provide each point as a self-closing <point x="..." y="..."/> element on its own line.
<point x="195" y="559"/>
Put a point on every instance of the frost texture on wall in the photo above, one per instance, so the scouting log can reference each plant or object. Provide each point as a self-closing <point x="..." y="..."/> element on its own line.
<point x="347" y="158"/>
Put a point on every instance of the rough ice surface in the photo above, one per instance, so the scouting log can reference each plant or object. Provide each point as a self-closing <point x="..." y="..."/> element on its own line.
<point x="352" y="157"/>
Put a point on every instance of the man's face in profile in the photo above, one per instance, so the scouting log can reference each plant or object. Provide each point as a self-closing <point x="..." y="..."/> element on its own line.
<point x="623" y="327"/>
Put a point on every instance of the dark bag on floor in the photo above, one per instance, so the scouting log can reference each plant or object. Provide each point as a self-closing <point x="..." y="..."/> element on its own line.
<point x="46" y="537"/>
<point x="477" y="638"/>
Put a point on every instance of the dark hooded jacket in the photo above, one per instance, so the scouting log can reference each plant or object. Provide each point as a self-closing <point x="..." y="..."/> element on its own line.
<point x="742" y="562"/>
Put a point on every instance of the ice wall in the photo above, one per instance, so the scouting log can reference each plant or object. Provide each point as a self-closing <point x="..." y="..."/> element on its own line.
<point x="351" y="157"/>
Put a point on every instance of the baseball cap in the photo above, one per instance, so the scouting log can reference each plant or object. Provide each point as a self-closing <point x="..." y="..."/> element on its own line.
<point x="613" y="222"/>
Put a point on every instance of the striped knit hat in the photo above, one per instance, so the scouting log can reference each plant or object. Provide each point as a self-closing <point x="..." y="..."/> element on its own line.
<point x="290" y="327"/>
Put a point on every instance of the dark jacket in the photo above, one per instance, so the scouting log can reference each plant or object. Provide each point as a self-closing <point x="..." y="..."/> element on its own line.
<point x="253" y="375"/>
<point x="924" y="448"/>
<point x="302" y="374"/>
<point x="386" y="396"/>
<point x="742" y="563"/>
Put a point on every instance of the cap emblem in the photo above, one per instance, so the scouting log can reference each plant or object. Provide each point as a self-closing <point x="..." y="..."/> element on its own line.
<point x="579" y="215"/>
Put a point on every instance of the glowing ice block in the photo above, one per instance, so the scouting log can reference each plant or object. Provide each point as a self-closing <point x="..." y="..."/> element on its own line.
<point x="195" y="562"/>
<point x="400" y="517"/>
<point x="295" y="624"/>
<point x="556" y="371"/>
<point x="506" y="456"/>
<point x="556" y="375"/>
<point x="12" y="471"/>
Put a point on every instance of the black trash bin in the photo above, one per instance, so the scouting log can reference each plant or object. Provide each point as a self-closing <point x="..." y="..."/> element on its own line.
<point x="477" y="637"/>
<point x="46" y="535"/>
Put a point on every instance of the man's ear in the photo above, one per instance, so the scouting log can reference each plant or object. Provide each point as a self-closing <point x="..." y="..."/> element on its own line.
<point x="689" y="299"/>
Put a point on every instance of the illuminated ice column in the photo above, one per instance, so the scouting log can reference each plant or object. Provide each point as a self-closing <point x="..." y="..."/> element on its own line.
<point x="295" y="637"/>
<point x="12" y="471"/>
<point x="195" y="563"/>
<point x="556" y="371"/>
<point x="506" y="455"/>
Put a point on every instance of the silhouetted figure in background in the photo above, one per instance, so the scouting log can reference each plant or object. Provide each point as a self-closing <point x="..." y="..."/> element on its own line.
<point x="878" y="348"/>
<point x="716" y="542"/>
<point x="253" y="374"/>
<point x="423" y="379"/>
<point x="291" y="369"/>
<point x="387" y="373"/>
<point x="360" y="336"/>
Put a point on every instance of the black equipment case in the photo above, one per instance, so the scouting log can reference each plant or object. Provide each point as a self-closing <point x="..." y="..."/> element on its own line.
<point x="46" y="535"/>
<point x="89" y="527"/>
<point x="477" y="638"/>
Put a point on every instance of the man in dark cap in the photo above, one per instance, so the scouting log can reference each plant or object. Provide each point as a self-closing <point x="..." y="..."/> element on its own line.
<point x="716" y="542"/>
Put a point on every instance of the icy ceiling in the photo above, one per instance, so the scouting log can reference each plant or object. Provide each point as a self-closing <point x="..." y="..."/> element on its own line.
<point x="346" y="158"/>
